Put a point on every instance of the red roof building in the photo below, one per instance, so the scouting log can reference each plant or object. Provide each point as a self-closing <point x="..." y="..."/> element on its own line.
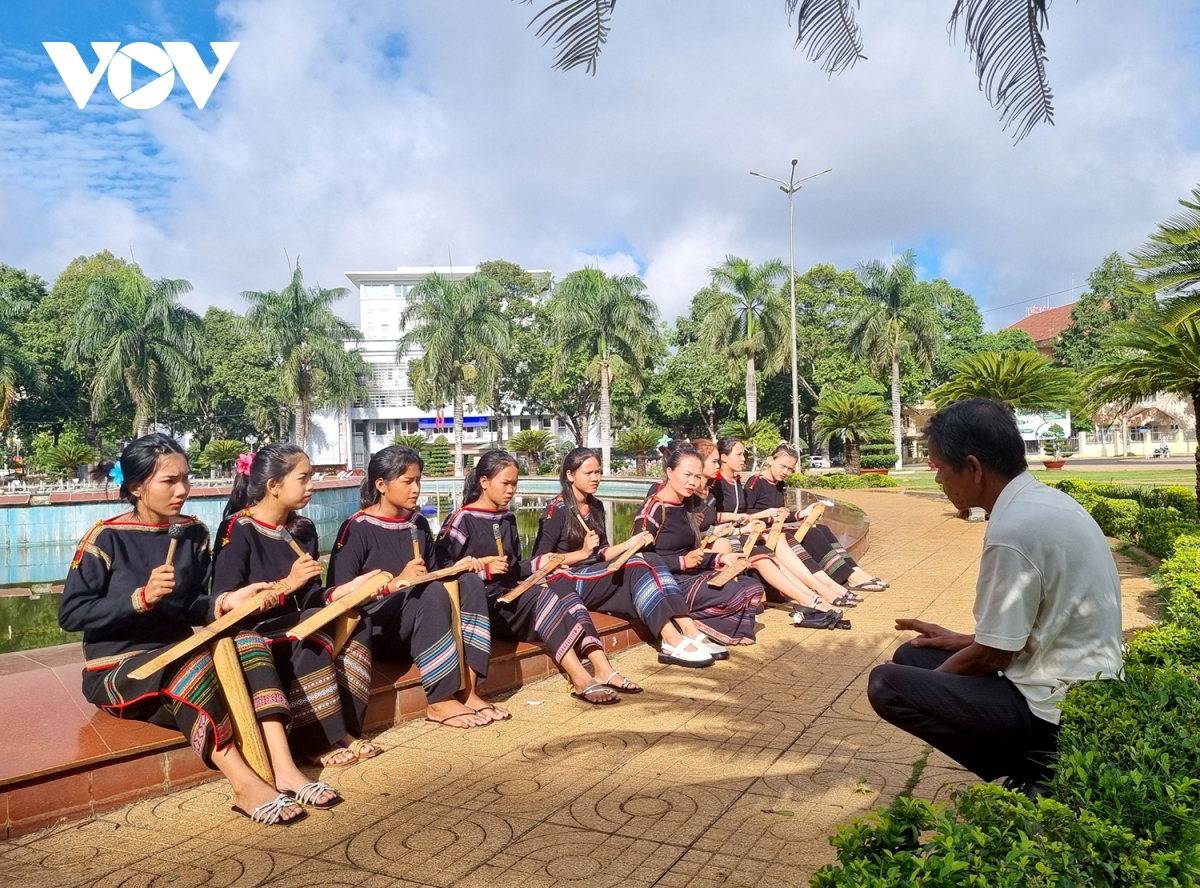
<point x="1043" y="326"/>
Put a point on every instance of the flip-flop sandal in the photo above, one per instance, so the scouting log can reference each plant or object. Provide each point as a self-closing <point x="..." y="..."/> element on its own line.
<point x="309" y="792"/>
<point x="446" y="722"/>
<point x="841" y="624"/>
<point x="847" y="599"/>
<point x="871" y="586"/>
<point x="325" y="759"/>
<point x="501" y="715"/>
<point x="625" y="687"/>
<point x="268" y="813"/>
<point x="357" y="748"/>
<point x="881" y="582"/>
<point x="592" y="688"/>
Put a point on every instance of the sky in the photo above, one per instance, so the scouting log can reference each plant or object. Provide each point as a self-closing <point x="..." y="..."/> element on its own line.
<point x="358" y="135"/>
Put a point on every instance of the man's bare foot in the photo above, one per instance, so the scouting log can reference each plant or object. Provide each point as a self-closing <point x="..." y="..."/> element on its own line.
<point x="455" y="714"/>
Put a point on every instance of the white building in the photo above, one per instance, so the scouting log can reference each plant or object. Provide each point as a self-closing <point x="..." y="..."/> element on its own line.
<point x="346" y="435"/>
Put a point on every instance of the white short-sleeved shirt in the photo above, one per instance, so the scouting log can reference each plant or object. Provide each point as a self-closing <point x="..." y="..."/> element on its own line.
<point x="1048" y="590"/>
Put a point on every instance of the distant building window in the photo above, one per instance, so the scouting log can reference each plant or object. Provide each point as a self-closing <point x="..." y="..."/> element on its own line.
<point x="546" y="423"/>
<point x="383" y="329"/>
<point x="379" y="401"/>
<point x="360" y="428"/>
<point x="381" y="429"/>
<point x="524" y="423"/>
<point x="388" y="375"/>
<point x="370" y="326"/>
<point x="377" y="290"/>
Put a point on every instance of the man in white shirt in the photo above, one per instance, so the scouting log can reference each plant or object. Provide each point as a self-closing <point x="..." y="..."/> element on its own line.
<point x="1047" y="611"/>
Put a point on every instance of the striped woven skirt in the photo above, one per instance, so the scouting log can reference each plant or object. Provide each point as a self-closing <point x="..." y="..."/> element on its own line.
<point x="415" y="624"/>
<point x="552" y="613"/>
<point x="727" y="614"/>
<point x="327" y="693"/>
<point x="186" y="694"/>
<point x="643" y="590"/>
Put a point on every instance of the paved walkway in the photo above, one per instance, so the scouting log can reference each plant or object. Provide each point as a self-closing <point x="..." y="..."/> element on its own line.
<point x="733" y="775"/>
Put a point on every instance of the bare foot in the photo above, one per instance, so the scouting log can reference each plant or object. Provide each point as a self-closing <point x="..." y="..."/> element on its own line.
<point x="490" y="711"/>
<point x="291" y="779"/>
<point x="455" y="714"/>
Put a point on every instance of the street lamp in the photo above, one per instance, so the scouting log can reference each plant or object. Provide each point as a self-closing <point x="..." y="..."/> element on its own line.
<point x="790" y="187"/>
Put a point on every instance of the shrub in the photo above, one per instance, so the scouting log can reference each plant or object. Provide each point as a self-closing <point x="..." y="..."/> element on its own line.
<point x="1166" y="644"/>
<point x="839" y="482"/>
<point x="439" y="458"/>
<point x="1117" y="518"/>
<point x="878" y="461"/>
<point x="1157" y="530"/>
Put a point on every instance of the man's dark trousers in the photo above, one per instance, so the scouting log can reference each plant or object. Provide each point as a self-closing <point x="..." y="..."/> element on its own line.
<point x="980" y="721"/>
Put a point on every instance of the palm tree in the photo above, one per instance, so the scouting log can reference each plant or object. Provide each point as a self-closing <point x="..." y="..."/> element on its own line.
<point x="895" y="321"/>
<point x="531" y="444"/>
<point x="220" y="453"/>
<point x="412" y="442"/>
<point x="305" y="339"/>
<point x="638" y="442"/>
<point x="745" y="319"/>
<point x="461" y="330"/>
<point x="1150" y="357"/>
<point x="855" y="418"/>
<point x="1022" y="380"/>
<point x="1003" y="37"/>
<point x="65" y="458"/>
<point x="758" y="438"/>
<point x="18" y="374"/>
<point x="1170" y="264"/>
<point x="603" y="318"/>
<point x="133" y="332"/>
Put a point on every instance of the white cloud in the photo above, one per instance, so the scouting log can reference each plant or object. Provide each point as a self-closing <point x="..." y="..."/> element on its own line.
<point x="319" y="143"/>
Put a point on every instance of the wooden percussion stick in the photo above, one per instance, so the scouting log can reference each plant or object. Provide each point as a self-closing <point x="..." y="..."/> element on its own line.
<point x="287" y="537"/>
<point x="499" y="541"/>
<point x="175" y="532"/>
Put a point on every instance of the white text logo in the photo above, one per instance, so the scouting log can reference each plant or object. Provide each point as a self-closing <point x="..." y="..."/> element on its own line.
<point x="118" y="60"/>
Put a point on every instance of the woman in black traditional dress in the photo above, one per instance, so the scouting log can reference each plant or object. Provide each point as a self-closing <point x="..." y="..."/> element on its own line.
<point x="766" y="490"/>
<point x="550" y="612"/>
<point x="131" y="604"/>
<point x="676" y="517"/>
<point x="327" y="687"/>
<point x="643" y="589"/>
<point x="416" y="623"/>
<point x="786" y="577"/>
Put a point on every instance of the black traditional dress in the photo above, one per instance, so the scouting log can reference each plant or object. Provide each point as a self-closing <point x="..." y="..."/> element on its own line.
<point x="414" y="623"/>
<point x="327" y="688"/>
<point x="727" y="613"/>
<point x="820" y="544"/>
<point x="103" y="599"/>
<point x="728" y="494"/>
<point x="552" y="613"/>
<point x="643" y="589"/>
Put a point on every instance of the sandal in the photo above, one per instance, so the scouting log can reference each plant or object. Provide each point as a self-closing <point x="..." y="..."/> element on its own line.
<point x="625" y="687"/>
<point x="687" y="653"/>
<point x="309" y="792"/>
<point x="847" y="599"/>
<point x="501" y="714"/>
<point x="881" y="582"/>
<point x="869" y="586"/>
<point x="269" y="812"/>
<point x="593" y="688"/>
<point x="330" y="759"/>
<point x="358" y="746"/>
<point x="810" y="618"/>
<point x="450" y="718"/>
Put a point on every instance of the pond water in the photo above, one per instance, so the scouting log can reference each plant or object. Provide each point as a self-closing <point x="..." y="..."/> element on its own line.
<point x="32" y="622"/>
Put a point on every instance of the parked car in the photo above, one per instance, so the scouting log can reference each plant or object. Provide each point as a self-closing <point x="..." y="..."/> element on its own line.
<point x="1162" y="450"/>
<point x="816" y="461"/>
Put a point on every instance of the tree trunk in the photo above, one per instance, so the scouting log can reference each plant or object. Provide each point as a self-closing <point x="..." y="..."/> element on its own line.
<point x="640" y="459"/>
<point x="300" y="424"/>
<point x="751" y="392"/>
<point x="897" y="431"/>
<point x="853" y="457"/>
<point x="458" y="429"/>
<point x="497" y="407"/>
<point x="1196" y="419"/>
<point x="605" y="421"/>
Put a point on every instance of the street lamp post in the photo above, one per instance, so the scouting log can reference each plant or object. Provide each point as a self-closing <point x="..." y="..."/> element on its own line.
<point x="790" y="187"/>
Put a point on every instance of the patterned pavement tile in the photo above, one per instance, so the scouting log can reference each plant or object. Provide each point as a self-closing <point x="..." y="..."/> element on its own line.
<point x="429" y="844"/>
<point x="666" y="812"/>
<point x="551" y="856"/>
<point x="685" y="760"/>
<point x="244" y="868"/>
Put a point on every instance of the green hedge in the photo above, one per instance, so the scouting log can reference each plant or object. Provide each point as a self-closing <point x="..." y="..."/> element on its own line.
<point x="878" y="461"/>
<point x="1126" y="799"/>
<point x="839" y="482"/>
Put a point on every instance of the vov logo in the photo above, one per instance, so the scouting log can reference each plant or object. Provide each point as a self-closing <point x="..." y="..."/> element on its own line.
<point x="118" y="60"/>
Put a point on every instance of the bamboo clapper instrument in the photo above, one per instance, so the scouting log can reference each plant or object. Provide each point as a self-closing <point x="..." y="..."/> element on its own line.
<point x="549" y="565"/>
<point x="776" y="530"/>
<point x="733" y="570"/>
<point x="369" y="590"/>
<point x="818" y="509"/>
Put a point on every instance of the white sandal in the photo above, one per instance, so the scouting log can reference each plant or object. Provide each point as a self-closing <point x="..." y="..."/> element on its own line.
<point x="687" y="653"/>
<point x="714" y="649"/>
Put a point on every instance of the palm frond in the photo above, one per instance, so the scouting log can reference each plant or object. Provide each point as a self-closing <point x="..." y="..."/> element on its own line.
<point x="1004" y="37"/>
<point x="579" y="29"/>
<point x="1169" y="264"/>
<point x="827" y="30"/>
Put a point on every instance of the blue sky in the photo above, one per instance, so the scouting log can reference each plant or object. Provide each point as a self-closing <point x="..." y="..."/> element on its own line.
<point x="366" y="134"/>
